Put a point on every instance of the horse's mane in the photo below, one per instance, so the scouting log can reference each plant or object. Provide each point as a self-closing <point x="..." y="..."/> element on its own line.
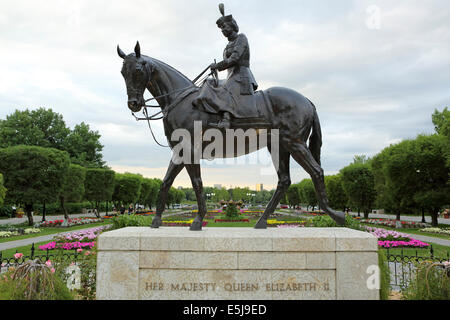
<point x="169" y="68"/>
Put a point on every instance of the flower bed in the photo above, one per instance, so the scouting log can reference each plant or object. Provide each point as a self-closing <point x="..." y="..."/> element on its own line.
<point x="436" y="230"/>
<point x="7" y="234"/>
<point x="186" y="223"/>
<point x="393" y="223"/>
<point x="70" y="222"/>
<point x="394" y="239"/>
<point x="232" y="220"/>
<point x="75" y="240"/>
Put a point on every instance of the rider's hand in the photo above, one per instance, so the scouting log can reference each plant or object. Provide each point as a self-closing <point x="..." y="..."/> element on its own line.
<point x="213" y="66"/>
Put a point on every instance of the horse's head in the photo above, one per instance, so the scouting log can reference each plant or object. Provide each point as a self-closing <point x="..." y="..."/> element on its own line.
<point x="137" y="72"/>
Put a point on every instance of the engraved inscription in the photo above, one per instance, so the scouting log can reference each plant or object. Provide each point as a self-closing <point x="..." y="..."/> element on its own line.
<point x="238" y="287"/>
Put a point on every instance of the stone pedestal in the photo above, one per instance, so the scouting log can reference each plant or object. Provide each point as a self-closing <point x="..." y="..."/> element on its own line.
<point x="174" y="263"/>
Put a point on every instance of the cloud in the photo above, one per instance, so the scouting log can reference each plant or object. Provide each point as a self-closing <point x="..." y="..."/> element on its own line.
<point x="372" y="87"/>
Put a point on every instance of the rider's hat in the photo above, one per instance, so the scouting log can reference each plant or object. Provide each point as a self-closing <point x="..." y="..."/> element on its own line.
<point x="226" y="19"/>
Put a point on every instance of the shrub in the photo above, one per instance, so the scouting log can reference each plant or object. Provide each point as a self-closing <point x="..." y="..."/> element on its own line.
<point x="132" y="220"/>
<point x="5" y="211"/>
<point x="231" y="211"/>
<point x="33" y="280"/>
<point x="385" y="276"/>
<point x="431" y="282"/>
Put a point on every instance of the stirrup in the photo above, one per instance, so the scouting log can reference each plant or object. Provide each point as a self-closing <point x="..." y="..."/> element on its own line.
<point x="224" y="124"/>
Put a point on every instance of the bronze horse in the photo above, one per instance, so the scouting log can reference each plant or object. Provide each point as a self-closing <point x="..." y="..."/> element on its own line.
<point x="286" y="110"/>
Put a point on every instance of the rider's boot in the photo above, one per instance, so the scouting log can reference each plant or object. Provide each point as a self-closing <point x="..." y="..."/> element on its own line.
<point x="226" y="121"/>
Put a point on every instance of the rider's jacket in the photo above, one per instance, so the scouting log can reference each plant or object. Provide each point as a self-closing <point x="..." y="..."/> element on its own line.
<point x="237" y="60"/>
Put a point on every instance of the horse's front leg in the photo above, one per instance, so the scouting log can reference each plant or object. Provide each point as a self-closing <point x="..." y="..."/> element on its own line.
<point x="197" y="184"/>
<point x="171" y="174"/>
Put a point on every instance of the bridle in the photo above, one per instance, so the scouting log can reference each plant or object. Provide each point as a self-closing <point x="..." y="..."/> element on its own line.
<point x="158" y="116"/>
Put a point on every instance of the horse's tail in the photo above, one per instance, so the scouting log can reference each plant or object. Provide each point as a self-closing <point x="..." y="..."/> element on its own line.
<point x="315" y="139"/>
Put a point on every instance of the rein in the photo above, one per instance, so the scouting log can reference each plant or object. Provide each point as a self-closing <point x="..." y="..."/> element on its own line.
<point x="155" y="117"/>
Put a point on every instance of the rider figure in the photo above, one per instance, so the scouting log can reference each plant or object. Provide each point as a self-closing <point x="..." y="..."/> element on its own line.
<point x="239" y="88"/>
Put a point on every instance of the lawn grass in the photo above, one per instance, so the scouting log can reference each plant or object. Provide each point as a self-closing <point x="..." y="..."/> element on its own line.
<point x="439" y="251"/>
<point x="49" y="231"/>
<point x="26" y="250"/>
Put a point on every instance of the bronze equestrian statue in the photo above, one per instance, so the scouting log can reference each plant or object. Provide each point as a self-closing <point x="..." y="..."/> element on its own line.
<point x="235" y="96"/>
<point x="183" y="104"/>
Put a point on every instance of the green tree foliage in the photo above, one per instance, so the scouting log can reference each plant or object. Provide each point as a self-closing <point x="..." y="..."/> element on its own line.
<point x="99" y="186"/>
<point x="307" y="193"/>
<point x="45" y="128"/>
<point x="428" y="173"/>
<point x="2" y="190"/>
<point x="84" y="146"/>
<point x="154" y="192"/>
<point x="358" y="184"/>
<point x="73" y="187"/>
<point x="171" y="197"/>
<point x="293" y="195"/>
<point x="241" y="194"/>
<point x="41" y="127"/>
<point x="441" y="121"/>
<point x="336" y="195"/>
<point x="127" y="189"/>
<point x="33" y="175"/>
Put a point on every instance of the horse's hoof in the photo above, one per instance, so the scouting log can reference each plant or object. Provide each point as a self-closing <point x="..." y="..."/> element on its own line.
<point x="156" y="223"/>
<point x="196" y="226"/>
<point x="261" y="224"/>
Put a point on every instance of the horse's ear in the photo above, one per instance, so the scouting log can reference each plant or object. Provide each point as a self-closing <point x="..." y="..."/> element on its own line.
<point x="121" y="53"/>
<point x="137" y="50"/>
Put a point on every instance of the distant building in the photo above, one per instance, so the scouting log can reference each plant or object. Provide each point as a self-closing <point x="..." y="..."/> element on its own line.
<point x="259" y="187"/>
<point x="218" y="186"/>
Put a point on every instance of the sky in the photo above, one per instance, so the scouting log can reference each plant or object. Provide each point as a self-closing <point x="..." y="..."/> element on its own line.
<point x="376" y="70"/>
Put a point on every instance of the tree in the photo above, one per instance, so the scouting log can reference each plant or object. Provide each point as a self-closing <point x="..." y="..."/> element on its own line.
<point x="2" y="190"/>
<point x="171" y="197"/>
<point x="41" y="127"/>
<point x="293" y="195"/>
<point x="73" y="187"/>
<point x="33" y="174"/>
<point x="307" y="193"/>
<point x="45" y="128"/>
<point x="84" y="146"/>
<point x="127" y="188"/>
<point x="337" y="197"/>
<point x="154" y="192"/>
<point x="180" y="196"/>
<point x="441" y="121"/>
<point x="358" y="183"/>
<point x="99" y="186"/>
<point x="146" y="188"/>
<point x="429" y="174"/>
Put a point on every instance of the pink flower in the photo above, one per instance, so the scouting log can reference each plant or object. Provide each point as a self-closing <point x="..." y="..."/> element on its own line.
<point x="80" y="250"/>
<point x="48" y="263"/>
<point x="52" y="270"/>
<point x="18" y="256"/>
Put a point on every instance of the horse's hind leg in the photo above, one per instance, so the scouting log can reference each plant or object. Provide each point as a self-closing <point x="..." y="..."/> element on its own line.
<point x="301" y="153"/>
<point x="284" y="181"/>
<point x="196" y="179"/>
<point x="171" y="174"/>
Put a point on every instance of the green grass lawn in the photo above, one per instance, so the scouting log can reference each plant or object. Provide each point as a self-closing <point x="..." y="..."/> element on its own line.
<point x="439" y="251"/>
<point x="49" y="231"/>
<point x="26" y="250"/>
